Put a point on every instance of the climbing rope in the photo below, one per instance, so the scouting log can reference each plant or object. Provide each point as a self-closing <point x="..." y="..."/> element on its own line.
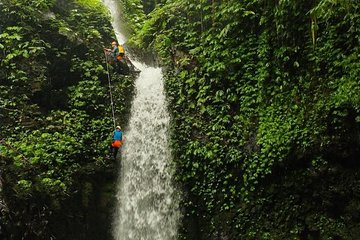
<point x="111" y="98"/>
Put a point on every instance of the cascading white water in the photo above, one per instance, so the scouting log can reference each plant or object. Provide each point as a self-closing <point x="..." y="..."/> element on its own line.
<point x="147" y="200"/>
<point x="116" y="21"/>
<point x="147" y="207"/>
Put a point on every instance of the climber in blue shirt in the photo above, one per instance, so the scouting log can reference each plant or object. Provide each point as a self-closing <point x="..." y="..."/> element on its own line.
<point x="116" y="141"/>
<point x="113" y="52"/>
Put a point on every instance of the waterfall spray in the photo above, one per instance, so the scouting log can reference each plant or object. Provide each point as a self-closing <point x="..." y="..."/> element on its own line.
<point x="147" y="201"/>
<point x="148" y="207"/>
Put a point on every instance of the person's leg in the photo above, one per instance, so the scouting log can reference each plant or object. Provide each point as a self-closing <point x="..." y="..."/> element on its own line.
<point x="115" y="152"/>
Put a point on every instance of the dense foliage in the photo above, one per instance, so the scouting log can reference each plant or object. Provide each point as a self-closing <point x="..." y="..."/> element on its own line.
<point x="266" y="110"/>
<point x="55" y="117"/>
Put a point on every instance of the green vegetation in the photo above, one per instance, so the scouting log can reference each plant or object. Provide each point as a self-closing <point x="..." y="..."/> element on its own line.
<point x="55" y="118"/>
<point x="266" y="110"/>
<point x="265" y="107"/>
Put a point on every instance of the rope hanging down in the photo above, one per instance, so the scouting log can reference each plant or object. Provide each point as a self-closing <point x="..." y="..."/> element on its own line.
<point x="111" y="98"/>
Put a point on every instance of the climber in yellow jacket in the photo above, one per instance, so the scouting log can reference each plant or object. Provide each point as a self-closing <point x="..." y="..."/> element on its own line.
<point x="117" y="58"/>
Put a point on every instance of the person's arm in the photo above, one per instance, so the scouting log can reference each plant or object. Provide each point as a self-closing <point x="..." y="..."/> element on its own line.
<point x="115" y="51"/>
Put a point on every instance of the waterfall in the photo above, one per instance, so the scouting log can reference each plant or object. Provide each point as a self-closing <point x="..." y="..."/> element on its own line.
<point x="148" y="203"/>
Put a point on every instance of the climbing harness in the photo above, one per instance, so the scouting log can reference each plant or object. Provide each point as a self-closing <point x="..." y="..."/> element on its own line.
<point x="111" y="98"/>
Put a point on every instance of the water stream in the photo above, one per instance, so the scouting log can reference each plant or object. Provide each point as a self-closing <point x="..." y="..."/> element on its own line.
<point x="147" y="207"/>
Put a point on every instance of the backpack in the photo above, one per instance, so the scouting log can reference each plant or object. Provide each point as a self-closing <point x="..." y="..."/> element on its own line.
<point x="121" y="49"/>
<point x="121" y="53"/>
